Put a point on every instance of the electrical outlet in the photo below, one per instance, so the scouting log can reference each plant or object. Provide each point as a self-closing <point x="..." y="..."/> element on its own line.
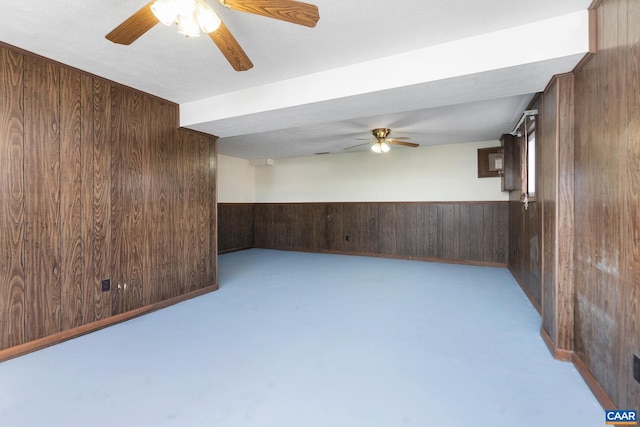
<point x="636" y="367"/>
<point x="106" y="285"/>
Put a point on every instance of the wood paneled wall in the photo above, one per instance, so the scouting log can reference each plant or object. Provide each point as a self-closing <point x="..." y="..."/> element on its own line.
<point x="236" y="226"/>
<point x="467" y="232"/>
<point x="524" y="249"/>
<point x="555" y="195"/>
<point x="607" y="203"/>
<point x="96" y="182"/>
<point x="590" y="245"/>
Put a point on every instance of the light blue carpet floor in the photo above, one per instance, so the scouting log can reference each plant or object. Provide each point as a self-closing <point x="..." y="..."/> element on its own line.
<point x="312" y="340"/>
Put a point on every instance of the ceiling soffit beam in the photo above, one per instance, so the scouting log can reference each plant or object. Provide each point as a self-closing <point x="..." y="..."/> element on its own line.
<point x="557" y="37"/>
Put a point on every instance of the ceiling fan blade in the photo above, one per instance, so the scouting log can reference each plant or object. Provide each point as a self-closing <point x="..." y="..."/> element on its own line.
<point x="230" y="48"/>
<point x="359" y="145"/>
<point x="134" y="27"/>
<point x="400" y="137"/>
<point x="285" y="10"/>
<point x="406" y="144"/>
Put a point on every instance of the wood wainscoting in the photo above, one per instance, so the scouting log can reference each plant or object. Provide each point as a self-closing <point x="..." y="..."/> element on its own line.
<point x="236" y="226"/>
<point x="462" y="232"/>
<point x="96" y="182"/>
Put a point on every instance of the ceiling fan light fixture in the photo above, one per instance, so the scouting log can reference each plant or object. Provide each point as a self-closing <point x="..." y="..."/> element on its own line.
<point x="190" y="15"/>
<point x="166" y="11"/>
<point x="206" y="17"/>
<point x="380" y="147"/>
<point x="187" y="26"/>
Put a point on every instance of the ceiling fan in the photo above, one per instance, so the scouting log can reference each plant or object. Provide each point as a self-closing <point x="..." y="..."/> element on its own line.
<point x="381" y="142"/>
<point x="193" y="16"/>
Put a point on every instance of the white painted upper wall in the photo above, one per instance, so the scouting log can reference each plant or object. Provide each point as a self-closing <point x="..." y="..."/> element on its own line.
<point x="236" y="180"/>
<point x="432" y="173"/>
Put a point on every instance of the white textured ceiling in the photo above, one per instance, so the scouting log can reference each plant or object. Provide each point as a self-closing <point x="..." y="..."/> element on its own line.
<point x="456" y="107"/>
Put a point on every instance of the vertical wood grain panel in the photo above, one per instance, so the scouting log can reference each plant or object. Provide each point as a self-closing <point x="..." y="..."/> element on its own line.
<point x="197" y="198"/>
<point x="464" y="230"/>
<point x="496" y="223"/>
<point x="153" y="226"/>
<point x="87" y="143"/>
<point x="12" y="194"/>
<point x="343" y="218"/>
<point x="524" y="256"/>
<point x="630" y="393"/>
<point x="471" y="231"/>
<point x="276" y="232"/>
<point x="261" y="217"/>
<point x="609" y="235"/>
<point x="369" y="226"/>
<point x="547" y="195"/>
<point x="226" y="240"/>
<point x="335" y="228"/>
<point x="448" y="229"/>
<point x="532" y="250"/>
<point x="409" y="237"/>
<point x="390" y="225"/>
<point x="128" y="110"/>
<point x="128" y="123"/>
<point x="303" y="232"/>
<point x="42" y="202"/>
<point x="422" y="231"/>
<point x="280" y="222"/>
<point x="556" y="197"/>
<point x="190" y="147"/>
<point x="314" y="218"/>
<point x="203" y="212"/>
<point x="474" y="244"/>
<point x="119" y="190"/>
<point x="160" y="257"/>
<point x="515" y="239"/>
<point x="587" y="117"/>
<point x="71" y="190"/>
<point x="138" y="111"/>
<point x="433" y="235"/>
<point x="289" y="233"/>
<point x="565" y="215"/>
<point x="236" y="225"/>
<point x="488" y="237"/>
<point x="293" y="233"/>
<point x="102" y="235"/>
<point x="212" y="196"/>
<point x="174" y="284"/>
<point x="178" y="198"/>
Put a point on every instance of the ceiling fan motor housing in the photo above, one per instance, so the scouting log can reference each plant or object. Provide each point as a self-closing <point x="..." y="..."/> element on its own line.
<point x="381" y="133"/>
